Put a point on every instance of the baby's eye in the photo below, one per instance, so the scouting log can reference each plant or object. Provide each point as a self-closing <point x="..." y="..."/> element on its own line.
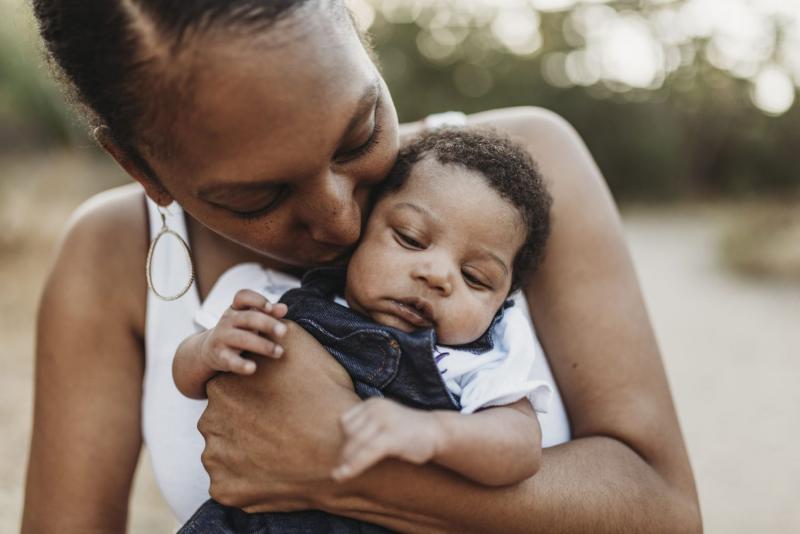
<point x="474" y="281"/>
<point x="408" y="242"/>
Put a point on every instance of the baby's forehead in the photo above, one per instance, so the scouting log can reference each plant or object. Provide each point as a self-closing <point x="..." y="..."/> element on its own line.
<point x="459" y="202"/>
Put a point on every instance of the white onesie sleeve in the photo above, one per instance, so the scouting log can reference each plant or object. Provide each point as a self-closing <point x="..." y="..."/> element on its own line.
<point x="504" y="378"/>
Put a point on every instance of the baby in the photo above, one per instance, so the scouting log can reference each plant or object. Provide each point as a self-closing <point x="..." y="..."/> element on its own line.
<point x="421" y="314"/>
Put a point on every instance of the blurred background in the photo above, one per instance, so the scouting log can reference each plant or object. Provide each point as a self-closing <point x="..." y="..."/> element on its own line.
<point x="688" y="106"/>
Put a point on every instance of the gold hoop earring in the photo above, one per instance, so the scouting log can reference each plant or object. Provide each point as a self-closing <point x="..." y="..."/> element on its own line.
<point x="165" y="230"/>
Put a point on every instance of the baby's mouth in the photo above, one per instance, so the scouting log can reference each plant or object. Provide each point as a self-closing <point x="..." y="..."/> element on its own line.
<point x="415" y="311"/>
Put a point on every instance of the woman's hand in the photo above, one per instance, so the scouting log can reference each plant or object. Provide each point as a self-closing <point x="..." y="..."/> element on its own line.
<point x="273" y="438"/>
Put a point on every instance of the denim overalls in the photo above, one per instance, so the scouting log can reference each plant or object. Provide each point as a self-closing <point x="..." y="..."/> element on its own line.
<point x="382" y="361"/>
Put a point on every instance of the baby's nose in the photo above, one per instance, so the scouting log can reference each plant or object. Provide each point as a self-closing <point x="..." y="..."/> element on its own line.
<point x="435" y="277"/>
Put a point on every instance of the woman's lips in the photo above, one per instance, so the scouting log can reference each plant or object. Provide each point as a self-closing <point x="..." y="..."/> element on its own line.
<point x="415" y="311"/>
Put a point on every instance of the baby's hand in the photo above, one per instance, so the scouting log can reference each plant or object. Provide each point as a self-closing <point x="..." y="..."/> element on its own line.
<point x="251" y="324"/>
<point x="379" y="428"/>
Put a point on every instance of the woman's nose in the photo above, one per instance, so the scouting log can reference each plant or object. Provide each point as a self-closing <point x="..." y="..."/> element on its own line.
<point x="332" y="213"/>
<point x="436" y="276"/>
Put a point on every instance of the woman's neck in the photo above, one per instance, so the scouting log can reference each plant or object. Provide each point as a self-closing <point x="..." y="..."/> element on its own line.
<point x="213" y="254"/>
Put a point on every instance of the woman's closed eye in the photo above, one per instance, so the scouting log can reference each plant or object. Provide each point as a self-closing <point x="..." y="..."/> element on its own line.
<point x="366" y="146"/>
<point x="361" y="150"/>
<point x="260" y="206"/>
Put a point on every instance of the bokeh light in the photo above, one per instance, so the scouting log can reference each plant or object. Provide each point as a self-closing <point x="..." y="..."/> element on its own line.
<point x="611" y="44"/>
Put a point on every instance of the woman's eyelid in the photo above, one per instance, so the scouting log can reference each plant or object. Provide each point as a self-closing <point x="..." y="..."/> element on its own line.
<point x="364" y="147"/>
<point x="277" y="195"/>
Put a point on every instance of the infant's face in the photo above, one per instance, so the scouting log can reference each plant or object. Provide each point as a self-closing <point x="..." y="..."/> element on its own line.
<point x="437" y="253"/>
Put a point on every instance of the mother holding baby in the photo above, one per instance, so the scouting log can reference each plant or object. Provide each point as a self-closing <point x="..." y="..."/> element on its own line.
<point x="264" y="125"/>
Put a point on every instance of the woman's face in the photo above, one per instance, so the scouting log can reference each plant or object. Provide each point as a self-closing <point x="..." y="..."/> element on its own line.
<point x="282" y="139"/>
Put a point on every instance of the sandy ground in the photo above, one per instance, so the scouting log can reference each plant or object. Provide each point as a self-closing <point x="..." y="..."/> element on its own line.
<point x="730" y="348"/>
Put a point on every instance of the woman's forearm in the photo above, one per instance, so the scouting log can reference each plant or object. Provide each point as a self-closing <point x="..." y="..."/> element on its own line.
<point x="593" y="484"/>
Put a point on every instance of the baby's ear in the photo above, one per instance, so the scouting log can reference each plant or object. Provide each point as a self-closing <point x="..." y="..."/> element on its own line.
<point x="133" y="165"/>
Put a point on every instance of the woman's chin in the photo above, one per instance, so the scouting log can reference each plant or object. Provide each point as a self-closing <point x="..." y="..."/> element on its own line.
<point x="319" y="258"/>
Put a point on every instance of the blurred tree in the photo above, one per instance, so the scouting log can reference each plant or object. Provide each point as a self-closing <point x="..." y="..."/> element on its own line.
<point x="675" y="98"/>
<point x="33" y="112"/>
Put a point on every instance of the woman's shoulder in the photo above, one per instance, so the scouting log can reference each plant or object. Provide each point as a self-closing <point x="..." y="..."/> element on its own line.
<point x="120" y="211"/>
<point x="531" y="124"/>
<point x="102" y="253"/>
<point x="562" y="156"/>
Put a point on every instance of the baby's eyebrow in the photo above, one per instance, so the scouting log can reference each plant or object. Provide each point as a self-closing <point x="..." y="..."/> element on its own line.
<point x="419" y="209"/>
<point x="497" y="259"/>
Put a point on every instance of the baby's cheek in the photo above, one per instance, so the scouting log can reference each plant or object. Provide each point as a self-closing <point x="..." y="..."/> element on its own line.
<point x="464" y="325"/>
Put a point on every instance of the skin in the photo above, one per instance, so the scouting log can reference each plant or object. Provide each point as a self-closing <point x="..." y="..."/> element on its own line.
<point x="424" y="241"/>
<point x="626" y="469"/>
<point x="421" y="241"/>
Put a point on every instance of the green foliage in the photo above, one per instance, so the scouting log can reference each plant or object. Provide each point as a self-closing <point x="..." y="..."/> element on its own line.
<point x="33" y="110"/>
<point x="691" y="131"/>
<point x="698" y="134"/>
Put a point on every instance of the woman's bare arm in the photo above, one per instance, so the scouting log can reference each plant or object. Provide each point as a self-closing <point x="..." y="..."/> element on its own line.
<point x="89" y="367"/>
<point x="627" y="468"/>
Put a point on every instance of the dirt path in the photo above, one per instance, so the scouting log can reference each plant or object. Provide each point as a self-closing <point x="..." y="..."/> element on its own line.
<point x="730" y="348"/>
<point x="732" y="351"/>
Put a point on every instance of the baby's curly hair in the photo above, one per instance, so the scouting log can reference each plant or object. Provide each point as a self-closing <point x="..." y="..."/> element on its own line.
<point x="507" y="168"/>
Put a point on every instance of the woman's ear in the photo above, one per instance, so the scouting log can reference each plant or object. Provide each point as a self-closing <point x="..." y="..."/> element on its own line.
<point x="152" y="187"/>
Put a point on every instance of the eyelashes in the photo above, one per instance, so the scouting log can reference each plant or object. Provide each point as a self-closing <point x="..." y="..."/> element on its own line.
<point x="408" y="242"/>
<point x="370" y="144"/>
<point x="254" y="214"/>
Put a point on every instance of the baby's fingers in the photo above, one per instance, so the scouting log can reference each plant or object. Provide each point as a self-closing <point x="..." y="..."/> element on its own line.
<point x="278" y="311"/>
<point x="258" y="322"/>
<point x="229" y="360"/>
<point x="249" y="341"/>
<point x="361" y="459"/>
<point x="246" y="299"/>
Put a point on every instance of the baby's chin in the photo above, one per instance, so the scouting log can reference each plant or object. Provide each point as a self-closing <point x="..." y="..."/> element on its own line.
<point x="443" y="336"/>
<point x="460" y="338"/>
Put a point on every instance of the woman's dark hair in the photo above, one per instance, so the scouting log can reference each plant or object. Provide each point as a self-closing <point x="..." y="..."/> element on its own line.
<point x="118" y="57"/>
<point x="506" y="167"/>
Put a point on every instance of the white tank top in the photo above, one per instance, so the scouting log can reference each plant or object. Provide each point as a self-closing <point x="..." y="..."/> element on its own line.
<point x="170" y="420"/>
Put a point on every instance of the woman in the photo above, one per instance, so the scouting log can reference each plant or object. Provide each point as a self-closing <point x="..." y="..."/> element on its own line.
<point x="268" y="123"/>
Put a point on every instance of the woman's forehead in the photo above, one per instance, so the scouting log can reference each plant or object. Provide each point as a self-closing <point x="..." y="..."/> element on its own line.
<point x="289" y="104"/>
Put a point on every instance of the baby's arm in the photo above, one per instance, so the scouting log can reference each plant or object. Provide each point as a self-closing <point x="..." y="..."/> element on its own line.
<point x="240" y="329"/>
<point x="498" y="446"/>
